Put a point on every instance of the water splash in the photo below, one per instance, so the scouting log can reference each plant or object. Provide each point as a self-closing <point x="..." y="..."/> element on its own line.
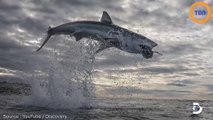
<point x="64" y="81"/>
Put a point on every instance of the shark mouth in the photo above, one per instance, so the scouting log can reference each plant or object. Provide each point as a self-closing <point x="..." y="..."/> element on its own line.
<point x="147" y="51"/>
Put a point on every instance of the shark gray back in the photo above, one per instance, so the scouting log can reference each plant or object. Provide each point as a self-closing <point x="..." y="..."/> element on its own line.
<point x="107" y="33"/>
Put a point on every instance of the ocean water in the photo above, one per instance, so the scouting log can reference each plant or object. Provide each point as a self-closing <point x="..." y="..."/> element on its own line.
<point x="114" y="109"/>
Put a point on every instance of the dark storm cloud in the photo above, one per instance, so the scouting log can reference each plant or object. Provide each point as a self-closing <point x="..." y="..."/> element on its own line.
<point x="133" y="90"/>
<point x="210" y="87"/>
<point x="15" y="55"/>
<point x="165" y="69"/>
<point x="177" y="84"/>
<point x="159" y="16"/>
<point x="191" y="74"/>
<point x="34" y="16"/>
<point x="7" y="44"/>
<point x="181" y="83"/>
<point x="9" y="53"/>
<point x="13" y="15"/>
<point x="18" y="59"/>
<point x="8" y="19"/>
<point x="38" y="25"/>
<point x="110" y="4"/>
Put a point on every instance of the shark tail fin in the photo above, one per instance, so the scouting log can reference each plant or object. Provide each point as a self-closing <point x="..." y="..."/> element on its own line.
<point x="46" y="39"/>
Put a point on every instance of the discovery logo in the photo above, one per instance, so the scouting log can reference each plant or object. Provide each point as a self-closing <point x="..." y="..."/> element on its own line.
<point x="197" y="109"/>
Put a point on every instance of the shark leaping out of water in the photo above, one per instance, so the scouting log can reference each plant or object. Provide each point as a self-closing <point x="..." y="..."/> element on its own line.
<point x="108" y="34"/>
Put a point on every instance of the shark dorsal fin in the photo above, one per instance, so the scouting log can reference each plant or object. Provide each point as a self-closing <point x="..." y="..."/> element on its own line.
<point x="106" y="18"/>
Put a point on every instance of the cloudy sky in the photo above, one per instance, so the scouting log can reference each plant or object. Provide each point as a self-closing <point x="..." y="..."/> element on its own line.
<point x="184" y="71"/>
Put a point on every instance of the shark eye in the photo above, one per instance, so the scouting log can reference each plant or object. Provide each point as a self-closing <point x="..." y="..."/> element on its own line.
<point x="142" y="46"/>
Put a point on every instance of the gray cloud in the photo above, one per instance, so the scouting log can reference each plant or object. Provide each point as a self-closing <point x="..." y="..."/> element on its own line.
<point x="210" y="87"/>
<point x="186" y="46"/>
<point x="177" y="84"/>
<point x="181" y="83"/>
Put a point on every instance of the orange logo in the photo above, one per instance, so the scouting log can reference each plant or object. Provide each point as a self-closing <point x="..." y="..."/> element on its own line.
<point x="194" y="12"/>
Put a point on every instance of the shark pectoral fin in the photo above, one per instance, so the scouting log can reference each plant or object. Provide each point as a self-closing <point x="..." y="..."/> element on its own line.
<point x="78" y="35"/>
<point x="107" y="43"/>
<point x="106" y="18"/>
<point x="101" y="48"/>
<point x="112" y="41"/>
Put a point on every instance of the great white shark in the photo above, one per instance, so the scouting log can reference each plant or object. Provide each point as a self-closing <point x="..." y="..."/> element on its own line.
<point x="107" y="33"/>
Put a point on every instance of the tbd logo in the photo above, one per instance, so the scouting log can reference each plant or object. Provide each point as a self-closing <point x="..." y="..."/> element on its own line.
<point x="197" y="109"/>
<point x="200" y="12"/>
